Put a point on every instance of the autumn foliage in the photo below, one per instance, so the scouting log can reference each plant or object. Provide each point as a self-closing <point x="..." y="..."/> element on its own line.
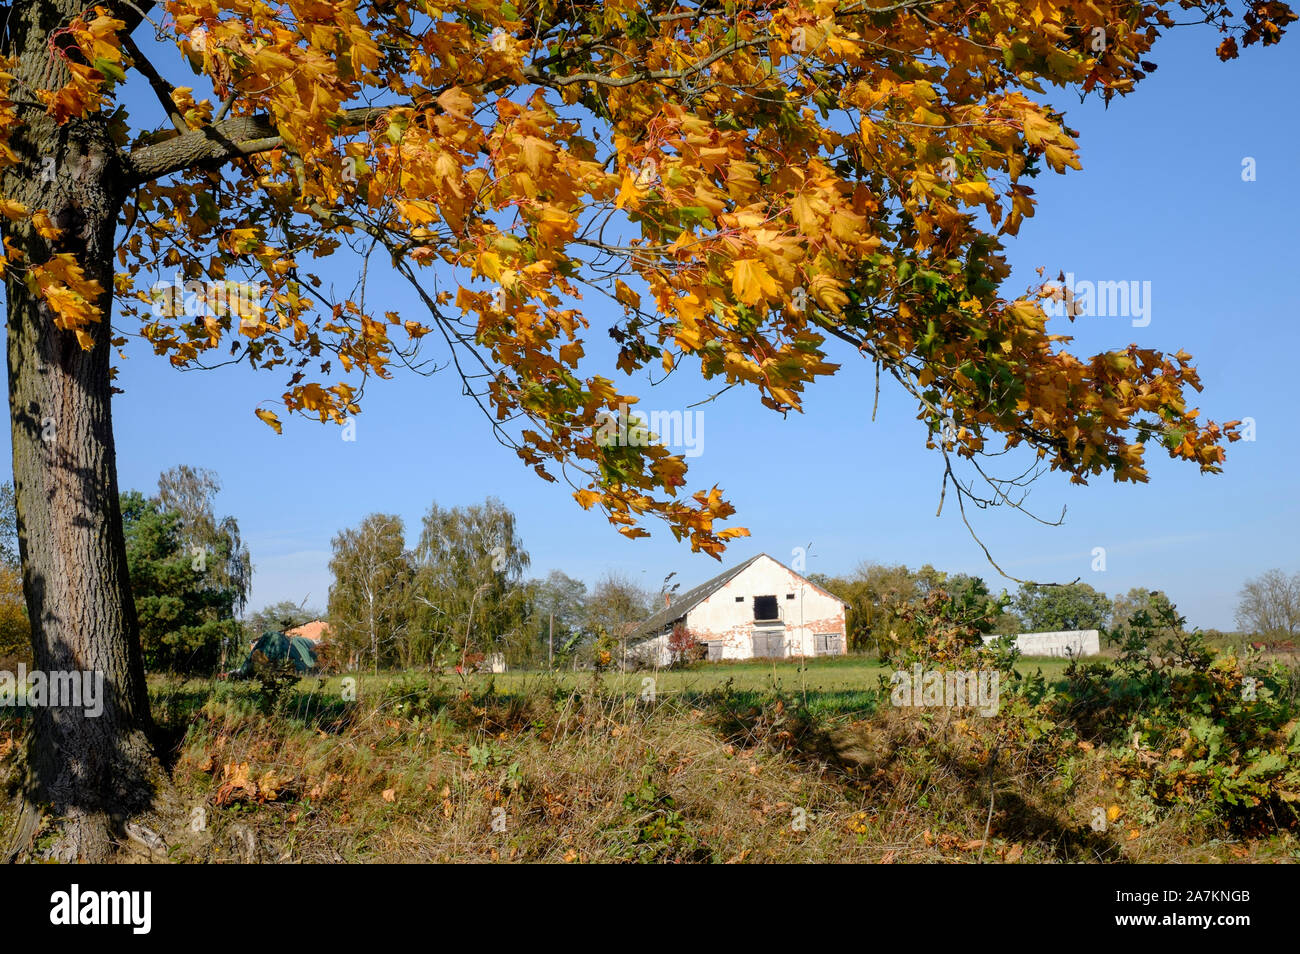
<point x="15" y="631"/>
<point x="745" y="181"/>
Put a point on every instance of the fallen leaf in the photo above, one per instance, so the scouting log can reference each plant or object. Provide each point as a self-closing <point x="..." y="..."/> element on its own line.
<point x="235" y="786"/>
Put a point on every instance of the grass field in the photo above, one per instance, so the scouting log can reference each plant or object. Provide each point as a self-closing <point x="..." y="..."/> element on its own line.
<point x="728" y="762"/>
<point x="846" y="686"/>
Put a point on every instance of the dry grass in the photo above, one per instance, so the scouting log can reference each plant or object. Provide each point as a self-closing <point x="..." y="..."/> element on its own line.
<point x="422" y="769"/>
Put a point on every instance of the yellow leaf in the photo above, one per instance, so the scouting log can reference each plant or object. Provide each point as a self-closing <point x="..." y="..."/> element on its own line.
<point x="536" y="153"/>
<point x="804" y="210"/>
<point x="270" y="418"/>
<point x="688" y="336"/>
<point x="1058" y="158"/>
<point x="827" y="292"/>
<point x="626" y="295"/>
<point x="417" y="211"/>
<point x="456" y="102"/>
<point x="751" y="282"/>
<point x="973" y="192"/>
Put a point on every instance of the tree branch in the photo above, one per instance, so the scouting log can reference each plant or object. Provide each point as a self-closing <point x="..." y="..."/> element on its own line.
<point x="238" y="136"/>
<point x="132" y="12"/>
<point x="162" y="89"/>
<point x="229" y="139"/>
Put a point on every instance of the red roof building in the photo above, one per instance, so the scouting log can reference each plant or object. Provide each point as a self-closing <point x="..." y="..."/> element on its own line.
<point x="317" y="631"/>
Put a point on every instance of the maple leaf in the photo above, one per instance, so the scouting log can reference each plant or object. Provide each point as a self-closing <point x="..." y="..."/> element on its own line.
<point x="751" y="282"/>
<point x="235" y="785"/>
<point x="270" y="418"/>
<point x="677" y="171"/>
<point x="587" y="498"/>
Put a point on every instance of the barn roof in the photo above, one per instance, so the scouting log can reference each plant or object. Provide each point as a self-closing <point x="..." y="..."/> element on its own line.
<point x="691" y="599"/>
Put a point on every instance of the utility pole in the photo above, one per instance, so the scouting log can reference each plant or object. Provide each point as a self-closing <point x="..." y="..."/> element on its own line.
<point x="550" y="644"/>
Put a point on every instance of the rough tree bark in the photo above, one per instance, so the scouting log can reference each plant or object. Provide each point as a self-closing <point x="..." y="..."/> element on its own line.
<point x="86" y="774"/>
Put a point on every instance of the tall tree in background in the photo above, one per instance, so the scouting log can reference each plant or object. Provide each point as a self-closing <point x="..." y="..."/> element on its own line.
<point x="881" y="601"/>
<point x="1048" y="608"/>
<point x="1155" y="603"/>
<point x="9" y="555"/>
<point x="558" y="608"/>
<point x="186" y="611"/>
<point x="370" y="598"/>
<point x="615" y="607"/>
<point x="190" y="493"/>
<point x="15" y="630"/>
<point x="468" y="566"/>
<point x="872" y="592"/>
<point x="770" y="175"/>
<point x="1269" y="605"/>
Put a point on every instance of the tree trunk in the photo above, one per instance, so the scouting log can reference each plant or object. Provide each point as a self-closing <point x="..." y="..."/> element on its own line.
<point x="86" y="772"/>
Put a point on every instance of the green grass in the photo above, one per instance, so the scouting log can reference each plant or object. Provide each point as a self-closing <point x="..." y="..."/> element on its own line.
<point x="842" y="686"/>
<point x="846" y="685"/>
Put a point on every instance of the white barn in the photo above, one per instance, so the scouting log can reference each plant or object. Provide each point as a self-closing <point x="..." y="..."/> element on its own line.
<point x="760" y="608"/>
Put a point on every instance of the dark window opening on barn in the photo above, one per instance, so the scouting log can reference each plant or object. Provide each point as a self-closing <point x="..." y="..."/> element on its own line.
<point x="765" y="608"/>
<point x="740" y="599"/>
<point x="789" y="596"/>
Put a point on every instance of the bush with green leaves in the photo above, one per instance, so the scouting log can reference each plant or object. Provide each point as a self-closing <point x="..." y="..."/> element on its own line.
<point x="1194" y="726"/>
<point x="276" y="678"/>
<point x="943" y="627"/>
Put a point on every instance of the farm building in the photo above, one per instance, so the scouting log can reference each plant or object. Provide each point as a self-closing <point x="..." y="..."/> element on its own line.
<point x="1070" y="643"/>
<point x="760" y="608"/>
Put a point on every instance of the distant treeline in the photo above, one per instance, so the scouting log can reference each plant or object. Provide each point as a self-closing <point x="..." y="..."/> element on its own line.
<point x="461" y="592"/>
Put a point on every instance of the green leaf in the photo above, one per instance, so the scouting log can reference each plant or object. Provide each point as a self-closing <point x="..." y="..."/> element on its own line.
<point x="109" y="69"/>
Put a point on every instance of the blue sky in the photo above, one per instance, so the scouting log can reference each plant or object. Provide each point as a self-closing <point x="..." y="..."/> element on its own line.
<point x="1160" y="199"/>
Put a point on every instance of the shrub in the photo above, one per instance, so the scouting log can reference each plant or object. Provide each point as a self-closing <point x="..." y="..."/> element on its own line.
<point x="683" y="647"/>
<point x="275" y="679"/>
<point x="1196" y="727"/>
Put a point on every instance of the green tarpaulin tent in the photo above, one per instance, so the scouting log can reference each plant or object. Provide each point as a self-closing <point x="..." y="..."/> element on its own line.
<point x="274" y="646"/>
